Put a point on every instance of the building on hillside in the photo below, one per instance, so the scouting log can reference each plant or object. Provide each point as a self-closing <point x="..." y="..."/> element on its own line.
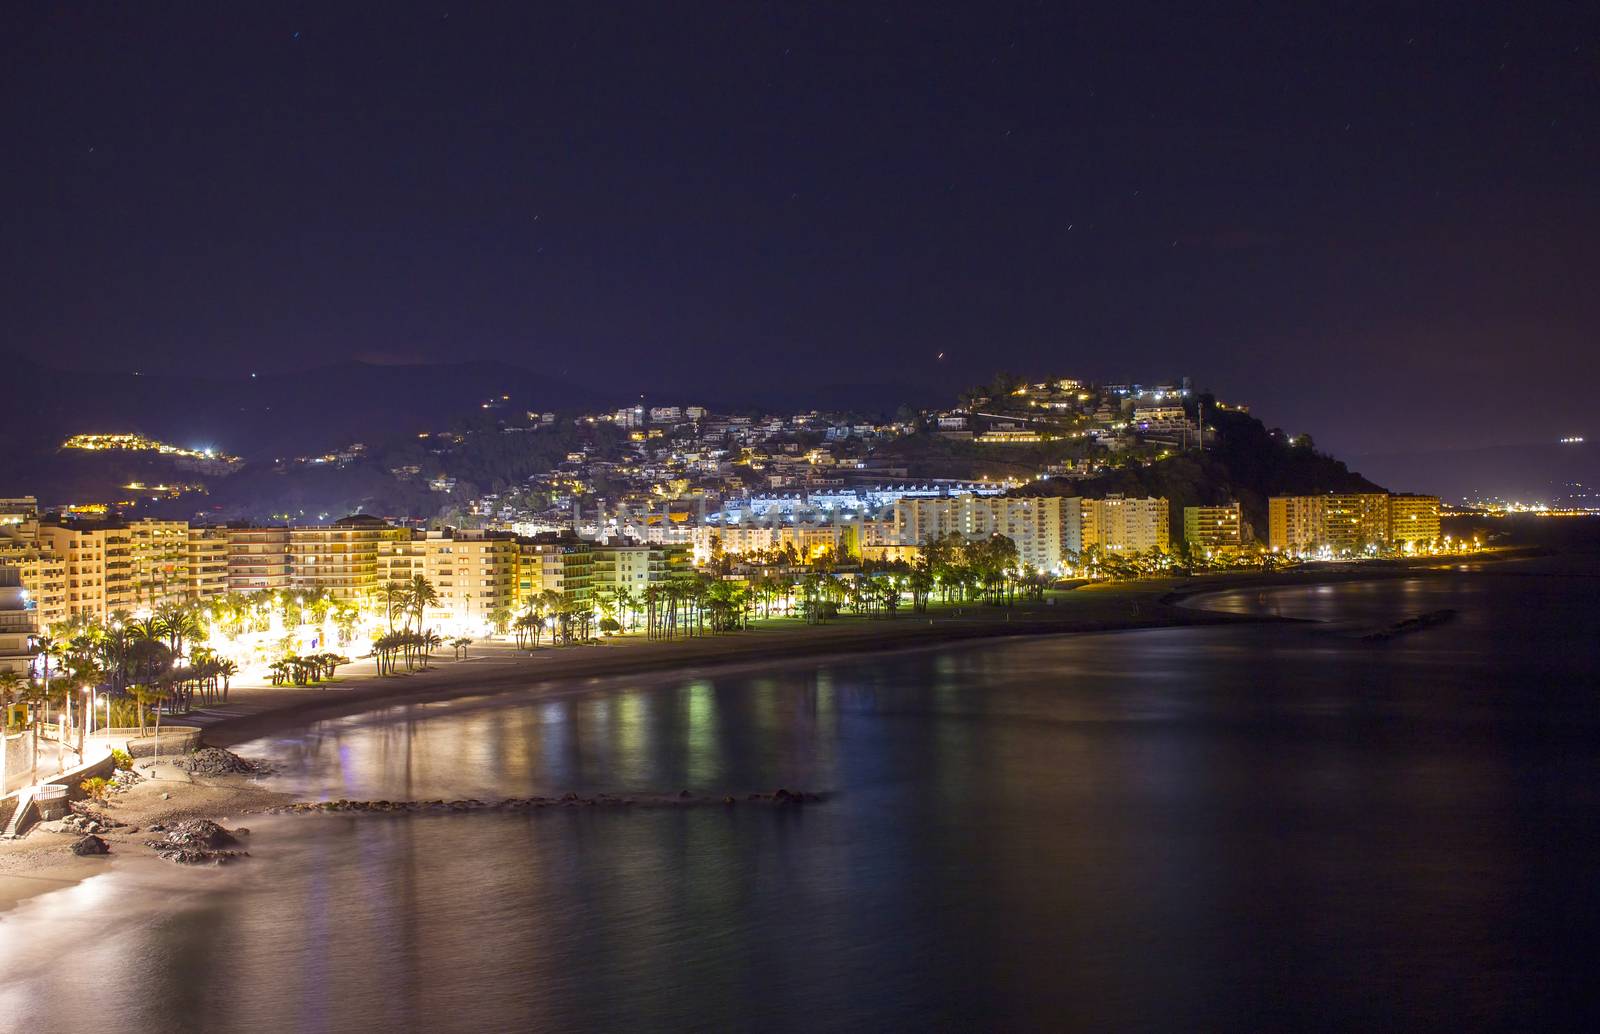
<point x="1121" y="525"/>
<point x="1413" y="520"/>
<point x="1213" y="527"/>
<point x="1160" y="418"/>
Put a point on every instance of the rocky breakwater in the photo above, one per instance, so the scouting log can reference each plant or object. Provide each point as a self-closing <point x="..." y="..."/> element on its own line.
<point x="780" y="798"/>
<point x="197" y="842"/>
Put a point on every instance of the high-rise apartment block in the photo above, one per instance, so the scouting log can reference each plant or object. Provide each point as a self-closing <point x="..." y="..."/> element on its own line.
<point x="1348" y="523"/>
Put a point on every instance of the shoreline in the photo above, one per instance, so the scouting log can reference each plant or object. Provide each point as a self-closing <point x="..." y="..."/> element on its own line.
<point x="499" y="667"/>
<point x="42" y="861"/>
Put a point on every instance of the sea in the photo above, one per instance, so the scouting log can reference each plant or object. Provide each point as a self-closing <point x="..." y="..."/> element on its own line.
<point x="1269" y="826"/>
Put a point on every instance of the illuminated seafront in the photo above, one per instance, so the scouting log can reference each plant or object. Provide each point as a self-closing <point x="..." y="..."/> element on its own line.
<point x="255" y="709"/>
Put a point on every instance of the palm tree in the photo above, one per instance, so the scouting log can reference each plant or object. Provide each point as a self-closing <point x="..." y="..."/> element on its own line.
<point x="227" y="669"/>
<point x="46" y="647"/>
<point x="150" y="695"/>
<point x="396" y="597"/>
<point x="423" y="596"/>
<point x="627" y="605"/>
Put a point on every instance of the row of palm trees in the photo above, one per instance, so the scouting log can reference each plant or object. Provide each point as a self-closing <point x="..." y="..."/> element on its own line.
<point x="414" y="648"/>
<point x="302" y="671"/>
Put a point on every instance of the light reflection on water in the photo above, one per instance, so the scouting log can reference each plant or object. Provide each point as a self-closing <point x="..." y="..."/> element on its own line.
<point x="1234" y="827"/>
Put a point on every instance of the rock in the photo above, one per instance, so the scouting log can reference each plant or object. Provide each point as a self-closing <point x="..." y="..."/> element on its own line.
<point x="91" y="845"/>
<point x="200" y="833"/>
<point x="216" y="761"/>
<point x="197" y="842"/>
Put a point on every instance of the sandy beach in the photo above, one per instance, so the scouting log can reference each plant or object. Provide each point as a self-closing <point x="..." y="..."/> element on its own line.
<point x="43" y="861"/>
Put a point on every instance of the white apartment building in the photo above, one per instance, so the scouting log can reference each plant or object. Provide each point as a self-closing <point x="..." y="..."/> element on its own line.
<point x="1043" y="528"/>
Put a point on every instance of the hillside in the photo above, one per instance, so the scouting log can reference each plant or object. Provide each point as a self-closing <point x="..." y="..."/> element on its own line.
<point x="260" y="418"/>
<point x="1246" y="462"/>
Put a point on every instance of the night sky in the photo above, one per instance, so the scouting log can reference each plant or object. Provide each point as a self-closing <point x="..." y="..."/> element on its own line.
<point x="1378" y="225"/>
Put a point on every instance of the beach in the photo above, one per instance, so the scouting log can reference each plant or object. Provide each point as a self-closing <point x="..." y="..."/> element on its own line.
<point x="43" y="861"/>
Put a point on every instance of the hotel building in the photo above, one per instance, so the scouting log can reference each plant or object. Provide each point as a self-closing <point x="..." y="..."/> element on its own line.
<point x="1413" y="519"/>
<point x="1044" y="528"/>
<point x="1213" y="527"/>
<point x="18" y="623"/>
<point x="1120" y="525"/>
<point x="1345" y="523"/>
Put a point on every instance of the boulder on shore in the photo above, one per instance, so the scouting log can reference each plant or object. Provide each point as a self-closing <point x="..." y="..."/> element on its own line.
<point x="197" y="842"/>
<point x="90" y="845"/>
<point x="215" y="761"/>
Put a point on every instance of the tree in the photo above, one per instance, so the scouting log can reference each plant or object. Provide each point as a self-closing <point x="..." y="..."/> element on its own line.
<point x="396" y="599"/>
<point x="423" y="595"/>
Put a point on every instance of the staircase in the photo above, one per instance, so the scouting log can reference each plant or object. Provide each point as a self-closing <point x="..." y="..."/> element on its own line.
<point x="22" y="813"/>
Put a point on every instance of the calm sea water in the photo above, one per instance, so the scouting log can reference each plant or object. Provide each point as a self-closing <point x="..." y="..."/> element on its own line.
<point x="1261" y="827"/>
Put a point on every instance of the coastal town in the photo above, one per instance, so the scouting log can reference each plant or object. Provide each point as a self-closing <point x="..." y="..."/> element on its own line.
<point x="660" y="524"/>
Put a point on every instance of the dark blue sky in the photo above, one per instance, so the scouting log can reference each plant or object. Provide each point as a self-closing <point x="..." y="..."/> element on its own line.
<point x="1377" y="225"/>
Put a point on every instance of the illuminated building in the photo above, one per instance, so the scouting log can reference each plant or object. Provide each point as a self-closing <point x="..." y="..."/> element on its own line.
<point x="158" y="557"/>
<point x="1413" y="519"/>
<point x="1294" y="523"/>
<point x="98" y="564"/>
<point x="207" y="559"/>
<point x="1212" y="527"/>
<point x="1043" y="528"/>
<point x="258" y="558"/>
<point x="473" y="572"/>
<point x="1355" y="521"/>
<point x="43" y="574"/>
<point x="635" y="566"/>
<point x="539" y="568"/>
<point x="17" y="509"/>
<point x="18" y="623"/>
<point x="1007" y="437"/>
<point x="340" y="559"/>
<point x="808" y="540"/>
<point x="1337" y="522"/>
<point x="1120" y="525"/>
